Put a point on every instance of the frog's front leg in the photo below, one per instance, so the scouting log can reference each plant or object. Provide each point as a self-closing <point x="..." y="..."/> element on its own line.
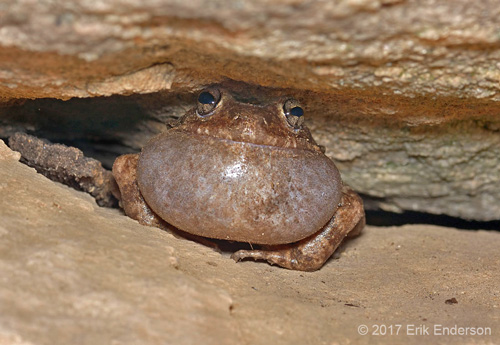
<point x="131" y="200"/>
<point x="311" y="253"/>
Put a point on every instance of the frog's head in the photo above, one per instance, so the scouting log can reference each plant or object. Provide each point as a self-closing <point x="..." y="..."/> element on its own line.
<point x="231" y="116"/>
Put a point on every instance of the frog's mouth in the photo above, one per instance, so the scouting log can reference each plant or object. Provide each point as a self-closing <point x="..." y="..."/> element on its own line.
<point x="264" y="146"/>
<point x="272" y="142"/>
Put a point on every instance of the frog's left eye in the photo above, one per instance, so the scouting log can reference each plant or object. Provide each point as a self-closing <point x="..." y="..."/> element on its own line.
<point x="207" y="101"/>
<point x="293" y="113"/>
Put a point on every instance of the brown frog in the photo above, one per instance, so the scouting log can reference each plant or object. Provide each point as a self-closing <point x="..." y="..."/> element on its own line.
<point x="240" y="171"/>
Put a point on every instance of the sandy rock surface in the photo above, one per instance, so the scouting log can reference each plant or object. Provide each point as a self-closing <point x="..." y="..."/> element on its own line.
<point x="72" y="272"/>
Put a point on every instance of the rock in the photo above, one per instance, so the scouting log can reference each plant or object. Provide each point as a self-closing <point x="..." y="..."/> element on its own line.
<point x="404" y="95"/>
<point x="72" y="272"/>
<point x="450" y="169"/>
<point x="434" y="48"/>
<point x="65" y="281"/>
<point x="67" y="165"/>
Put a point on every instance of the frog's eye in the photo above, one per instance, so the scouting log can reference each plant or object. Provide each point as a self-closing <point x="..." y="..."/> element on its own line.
<point x="293" y="113"/>
<point x="207" y="101"/>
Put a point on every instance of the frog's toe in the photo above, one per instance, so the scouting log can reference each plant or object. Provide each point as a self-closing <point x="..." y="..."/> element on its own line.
<point x="283" y="258"/>
<point x="246" y="254"/>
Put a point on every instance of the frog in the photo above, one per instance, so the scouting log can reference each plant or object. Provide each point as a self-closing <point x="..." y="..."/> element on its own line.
<point x="238" y="169"/>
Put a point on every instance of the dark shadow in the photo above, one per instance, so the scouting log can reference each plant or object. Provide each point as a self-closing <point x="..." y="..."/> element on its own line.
<point x="383" y="218"/>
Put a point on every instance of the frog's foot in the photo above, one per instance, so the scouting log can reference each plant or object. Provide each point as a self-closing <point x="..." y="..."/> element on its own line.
<point x="312" y="252"/>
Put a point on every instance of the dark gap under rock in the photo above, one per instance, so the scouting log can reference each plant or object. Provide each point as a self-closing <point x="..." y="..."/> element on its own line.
<point x="102" y="127"/>
<point x="385" y="218"/>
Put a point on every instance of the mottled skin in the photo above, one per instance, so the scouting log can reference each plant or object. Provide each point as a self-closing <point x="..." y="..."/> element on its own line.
<point x="244" y="172"/>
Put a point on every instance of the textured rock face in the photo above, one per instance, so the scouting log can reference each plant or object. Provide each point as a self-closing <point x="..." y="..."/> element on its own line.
<point x="66" y="165"/>
<point x="404" y="94"/>
<point x="404" y="47"/>
<point x="450" y="169"/>
<point x="73" y="272"/>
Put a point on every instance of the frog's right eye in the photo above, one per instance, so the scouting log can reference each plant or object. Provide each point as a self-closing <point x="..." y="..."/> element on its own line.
<point x="293" y="113"/>
<point x="207" y="102"/>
